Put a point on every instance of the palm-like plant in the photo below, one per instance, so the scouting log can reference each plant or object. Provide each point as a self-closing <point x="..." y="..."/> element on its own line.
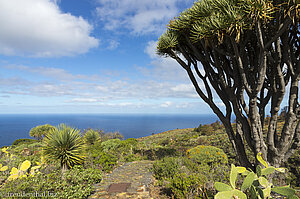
<point x="65" y="145"/>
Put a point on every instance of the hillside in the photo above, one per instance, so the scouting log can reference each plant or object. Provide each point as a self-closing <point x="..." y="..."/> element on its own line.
<point x="192" y="156"/>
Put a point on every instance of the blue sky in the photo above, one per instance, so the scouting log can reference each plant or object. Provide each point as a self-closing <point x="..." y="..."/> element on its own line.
<point x="90" y="56"/>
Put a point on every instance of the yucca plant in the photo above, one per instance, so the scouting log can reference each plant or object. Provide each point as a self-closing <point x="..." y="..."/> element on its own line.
<point x="64" y="144"/>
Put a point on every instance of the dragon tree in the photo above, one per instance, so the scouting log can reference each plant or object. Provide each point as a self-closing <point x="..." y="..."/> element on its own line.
<point x="245" y="53"/>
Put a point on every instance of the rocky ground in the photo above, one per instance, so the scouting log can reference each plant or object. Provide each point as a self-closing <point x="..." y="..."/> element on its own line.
<point x="131" y="180"/>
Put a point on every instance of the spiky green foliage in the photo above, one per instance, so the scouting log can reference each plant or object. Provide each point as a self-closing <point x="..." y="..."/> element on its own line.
<point x="91" y="137"/>
<point x="65" y="145"/>
<point x="41" y="131"/>
<point x="211" y="20"/>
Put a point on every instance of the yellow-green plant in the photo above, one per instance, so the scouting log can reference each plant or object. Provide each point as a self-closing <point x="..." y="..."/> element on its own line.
<point x="255" y="185"/>
<point x="4" y="150"/>
<point x="41" y="162"/>
<point x="21" y="172"/>
<point x="207" y="155"/>
<point x="3" y="168"/>
<point x="34" y="170"/>
<point x="65" y="145"/>
<point x="9" y="155"/>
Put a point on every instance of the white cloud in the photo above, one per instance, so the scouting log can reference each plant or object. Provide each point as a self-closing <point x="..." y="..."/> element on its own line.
<point x="166" y="104"/>
<point x="39" y="28"/>
<point x="164" y="68"/>
<point x="183" y="88"/>
<point x="55" y="73"/>
<point x="151" y="50"/>
<point x="140" y="17"/>
<point x="113" y="44"/>
<point x="89" y="100"/>
<point x="64" y="87"/>
<point x="13" y="82"/>
<point x="220" y="104"/>
<point x="50" y="90"/>
<point x="56" y="1"/>
<point x="102" y="88"/>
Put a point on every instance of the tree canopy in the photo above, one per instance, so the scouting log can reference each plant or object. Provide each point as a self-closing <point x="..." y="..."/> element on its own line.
<point x="41" y="131"/>
<point x="246" y="54"/>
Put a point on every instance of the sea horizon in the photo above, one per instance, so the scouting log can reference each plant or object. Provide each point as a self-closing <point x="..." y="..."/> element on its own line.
<point x="131" y="125"/>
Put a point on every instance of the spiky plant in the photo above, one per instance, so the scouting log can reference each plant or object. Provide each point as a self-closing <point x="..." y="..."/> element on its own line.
<point x="91" y="137"/>
<point x="64" y="144"/>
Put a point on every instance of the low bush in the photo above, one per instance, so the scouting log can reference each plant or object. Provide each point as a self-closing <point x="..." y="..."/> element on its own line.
<point x="91" y="136"/>
<point x="208" y="155"/>
<point x="204" y="129"/>
<point x="106" y="161"/>
<point x="113" y="135"/>
<point x="128" y="147"/>
<point x="293" y="166"/>
<point x="111" y="145"/>
<point x="184" y="186"/>
<point x="166" y="168"/>
<point x="132" y="157"/>
<point x="23" y="141"/>
<point x="75" y="183"/>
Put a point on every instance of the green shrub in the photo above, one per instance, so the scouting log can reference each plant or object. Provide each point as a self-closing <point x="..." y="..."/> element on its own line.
<point x="166" y="168"/>
<point x="184" y="186"/>
<point x="209" y="174"/>
<point x="113" y="135"/>
<point x="75" y="183"/>
<point x="23" y="141"/>
<point x="192" y="165"/>
<point x="130" y="141"/>
<point x="106" y="161"/>
<point x="94" y="151"/>
<point x="35" y="145"/>
<point x="206" y="129"/>
<point x="132" y="157"/>
<point x="164" y="141"/>
<point x="111" y="145"/>
<point x="293" y="166"/>
<point x="79" y="182"/>
<point x="128" y="147"/>
<point x="208" y="155"/>
<point x="91" y="136"/>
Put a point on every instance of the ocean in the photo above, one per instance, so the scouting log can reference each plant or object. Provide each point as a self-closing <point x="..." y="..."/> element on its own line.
<point x="16" y="126"/>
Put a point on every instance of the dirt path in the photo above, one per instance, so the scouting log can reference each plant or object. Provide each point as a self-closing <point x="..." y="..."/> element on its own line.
<point x="128" y="181"/>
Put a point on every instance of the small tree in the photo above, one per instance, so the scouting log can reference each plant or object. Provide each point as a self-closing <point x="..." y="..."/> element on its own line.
<point x="65" y="145"/>
<point x="41" y="131"/>
<point x="246" y="53"/>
